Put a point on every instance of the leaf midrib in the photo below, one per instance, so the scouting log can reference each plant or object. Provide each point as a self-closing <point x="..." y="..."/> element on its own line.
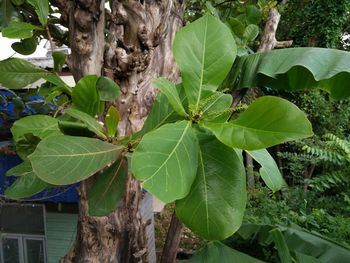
<point x="80" y="154"/>
<point x="202" y="69"/>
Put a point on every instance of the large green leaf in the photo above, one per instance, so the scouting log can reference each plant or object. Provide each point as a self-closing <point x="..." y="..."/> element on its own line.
<point x="17" y="29"/>
<point x="75" y="128"/>
<point x="41" y="8"/>
<point x="205" y="51"/>
<point x="162" y="112"/>
<point x="63" y="160"/>
<point x="166" y="161"/>
<point x="267" y="121"/>
<point x="27" y="183"/>
<point x="107" y="89"/>
<point x="298" y="68"/>
<point x="17" y="73"/>
<point x="215" y="206"/>
<point x="170" y="91"/>
<point x="269" y="171"/>
<point x="282" y="247"/>
<point x="90" y="122"/>
<point x="85" y="95"/>
<point x="219" y="253"/>
<point x="108" y="189"/>
<point x="39" y="125"/>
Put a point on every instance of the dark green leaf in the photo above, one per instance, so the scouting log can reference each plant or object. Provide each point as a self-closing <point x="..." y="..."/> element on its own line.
<point x="166" y="161"/>
<point x="205" y="51"/>
<point x="17" y="2"/>
<point x="39" y="125"/>
<point x="108" y="189"/>
<point x="236" y="26"/>
<point x="7" y="13"/>
<point x="297" y="69"/>
<point x="302" y="258"/>
<point x="170" y="91"/>
<point x="250" y="33"/>
<point x="108" y="89"/>
<point x="41" y="8"/>
<point x="267" y="121"/>
<point x="219" y="253"/>
<point x="17" y="73"/>
<point x="281" y="245"/>
<point x="112" y="120"/>
<point x="25" y="46"/>
<point x="214" y="207"/>
<point x="17" y="29"/>
<point x="254" y="15"/>
<point x="26" y="145"/>
<point x="269" y="171"/>
<point x="59" y="59"/>
<point x="85" y="96"/>
<point x="25" y="186"/>
<point x="75" y="129"/>
<point x="63" y="160"/>
<point x="90" y="122"/>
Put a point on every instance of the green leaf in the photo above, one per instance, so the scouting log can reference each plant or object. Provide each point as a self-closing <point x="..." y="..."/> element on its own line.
<point x="85" y="96"/>
<point x="166" y="161"/>
<point x="216" y="107"/>
<point x="302" y="258"/>
<point x="25" y="186"/>
<point x="281" y="245"/>
<point x="41" y="8"/>
<point x="7" y="14"/>
<point x="254" y="15"/>
<point x="297" y="69"/>
<point x="17" y="29"/>
<point x="27" y="183"/>
<point x="217" y="252"/>
<point x="214" y="207"/>
<point x="112" y="120"/>
<point x="170" y="91"/>
<point x="63" y="160"/>
<point x="41" y="126"/>
<point x="56" y="80"/>
<point x="26" y="145"/>
<point x="269" y="171"/>
<point x="205" y="51"/>
<point x="25" y="46"/>
<point x="267" y="121"/>
<point x="162" y="112"/>
<point x="108" y="189"/>
<point x="90" y="122"/>
<point x="236" y="26"/>
<point x="17" y="73"/>
<point x="75" y="129"/>
<point x="20" y="170"/>
<point x="251" y="32"/>
<point x="17" y="2"/>
<point x="108" y="89"/>
<point x="59" y="58"/>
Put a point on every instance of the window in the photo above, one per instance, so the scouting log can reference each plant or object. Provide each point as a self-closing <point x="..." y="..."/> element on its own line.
<point x="22" y="234"/>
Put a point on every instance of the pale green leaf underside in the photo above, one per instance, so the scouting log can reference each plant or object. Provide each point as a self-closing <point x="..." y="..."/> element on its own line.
<point x="108" y="189"/>
<point x="219" y="253"/>
<point x="41" y="126"/>
<point x="267" y="121"/>
<point x="297" y="69"/>
<point x="214" y="207"/>
<point x="170" y="91"/>
<point x="205" y="51"/>
<point x="17" y="73"/>
<point x="63" y="160"/>
<point x="90" y="122"/>
<point x="269" y="171"/>
<point x="166" y="161"/>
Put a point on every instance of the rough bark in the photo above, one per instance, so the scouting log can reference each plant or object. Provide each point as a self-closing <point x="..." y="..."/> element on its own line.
<point x="137" y="50"/>
<point x="172" y="241"/>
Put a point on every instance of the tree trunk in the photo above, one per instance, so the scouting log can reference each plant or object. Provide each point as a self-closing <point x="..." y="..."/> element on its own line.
<point x="137" y="49"/>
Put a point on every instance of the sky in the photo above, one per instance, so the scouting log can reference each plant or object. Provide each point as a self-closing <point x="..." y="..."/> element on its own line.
<point x="6" y="50"/>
